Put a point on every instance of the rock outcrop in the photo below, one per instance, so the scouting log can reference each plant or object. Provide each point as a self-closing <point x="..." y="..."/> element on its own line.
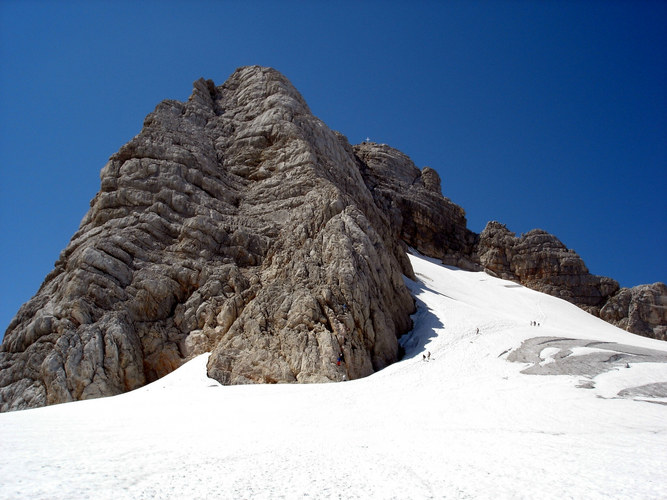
<point x="540" y="261"/>
<point x="641" y="309"/>
<point x="413" y="201"/>
<point x="237" y="223"/>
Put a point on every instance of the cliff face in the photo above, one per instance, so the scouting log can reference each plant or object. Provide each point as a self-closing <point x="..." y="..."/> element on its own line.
<point x="413" y="201"/>
<point x="540" y="261"/>
<point x="238" y="223"/>
<point x="641" y="309"/>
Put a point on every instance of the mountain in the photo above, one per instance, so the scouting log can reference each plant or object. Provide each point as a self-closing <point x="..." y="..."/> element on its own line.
<point x="573" y="408"/>
<point x="237" y="223"/>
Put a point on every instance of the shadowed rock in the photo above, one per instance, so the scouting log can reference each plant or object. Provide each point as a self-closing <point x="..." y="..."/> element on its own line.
<point x="413" y="201"/>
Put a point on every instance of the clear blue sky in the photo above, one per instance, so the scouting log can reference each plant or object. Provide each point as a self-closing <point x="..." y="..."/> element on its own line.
<point x="542" y="114"/>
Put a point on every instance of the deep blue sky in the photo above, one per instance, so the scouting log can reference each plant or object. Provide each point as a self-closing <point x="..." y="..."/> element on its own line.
<point x="543" y="114"/>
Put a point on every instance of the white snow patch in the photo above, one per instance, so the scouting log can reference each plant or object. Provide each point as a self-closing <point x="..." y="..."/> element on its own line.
<point x="547" y="355"/>
<point x="583" y="351"/>
<point x="609" y="384"/>
<point x="467" y="424"/>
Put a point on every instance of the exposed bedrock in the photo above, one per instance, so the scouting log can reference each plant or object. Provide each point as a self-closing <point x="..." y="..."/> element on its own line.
<point x="641" y="309"/>
<point x="540" y="261"/>
<point x="236" y="223"/>
<point x="412" y="199"/>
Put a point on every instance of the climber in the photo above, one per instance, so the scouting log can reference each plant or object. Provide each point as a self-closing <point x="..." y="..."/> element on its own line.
<point x="428" y="358"/>
<point x="340" y="359"/>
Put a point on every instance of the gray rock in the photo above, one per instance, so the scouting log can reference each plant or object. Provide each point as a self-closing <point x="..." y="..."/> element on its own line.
<point x="604" y="356"/>
<point x="236" y="223"/>
<point x="413" y="201"/>
<point x="599" y="357"/>
<point x="641" y="309"/>
<point x="540" y="261"/>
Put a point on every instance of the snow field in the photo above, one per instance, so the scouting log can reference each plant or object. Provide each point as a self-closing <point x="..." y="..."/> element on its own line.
<point x="466" y="424"/>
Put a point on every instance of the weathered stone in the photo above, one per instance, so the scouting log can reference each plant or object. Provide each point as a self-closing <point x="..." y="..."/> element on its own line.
<point x="236" y="223"/>
<point x="641" y="309"/>
<point x="540" y="261"/>
<point x="412" y="199"/>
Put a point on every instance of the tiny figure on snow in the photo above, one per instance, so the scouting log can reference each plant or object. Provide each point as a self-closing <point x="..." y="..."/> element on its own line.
<point x="428" y="358"/>
<point x="423" y="357"/>
<point x="478" y="331"/>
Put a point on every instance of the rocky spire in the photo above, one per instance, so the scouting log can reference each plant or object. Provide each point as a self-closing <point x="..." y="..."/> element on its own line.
<point x="236" y="223"/>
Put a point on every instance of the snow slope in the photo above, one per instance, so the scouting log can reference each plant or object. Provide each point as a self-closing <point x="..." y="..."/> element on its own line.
<point x="466" y="424"/>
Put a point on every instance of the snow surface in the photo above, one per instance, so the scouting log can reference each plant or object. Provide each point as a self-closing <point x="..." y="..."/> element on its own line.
<point x="466" y="424"/>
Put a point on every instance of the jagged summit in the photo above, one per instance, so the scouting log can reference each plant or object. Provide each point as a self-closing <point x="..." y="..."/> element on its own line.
<point x="237" y="223"/>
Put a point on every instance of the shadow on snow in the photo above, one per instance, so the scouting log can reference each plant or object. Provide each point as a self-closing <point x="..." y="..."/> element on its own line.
<point x="425" y="323"/>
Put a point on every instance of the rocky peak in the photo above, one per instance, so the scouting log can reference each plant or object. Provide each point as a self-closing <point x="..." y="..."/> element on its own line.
<point x="235" y="222"/>
<point x="431" y="180"/>
<point x="419" y="214"/>
<point x="541" y="261"/>
<point x="238" y="223"/>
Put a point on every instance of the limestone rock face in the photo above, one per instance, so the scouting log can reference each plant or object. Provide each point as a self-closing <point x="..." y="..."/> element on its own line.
<point x="236" y="223"/>
<point x="641" y="309"/>
<point x="413" y="200"/>
<point x="540" y="261"/>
